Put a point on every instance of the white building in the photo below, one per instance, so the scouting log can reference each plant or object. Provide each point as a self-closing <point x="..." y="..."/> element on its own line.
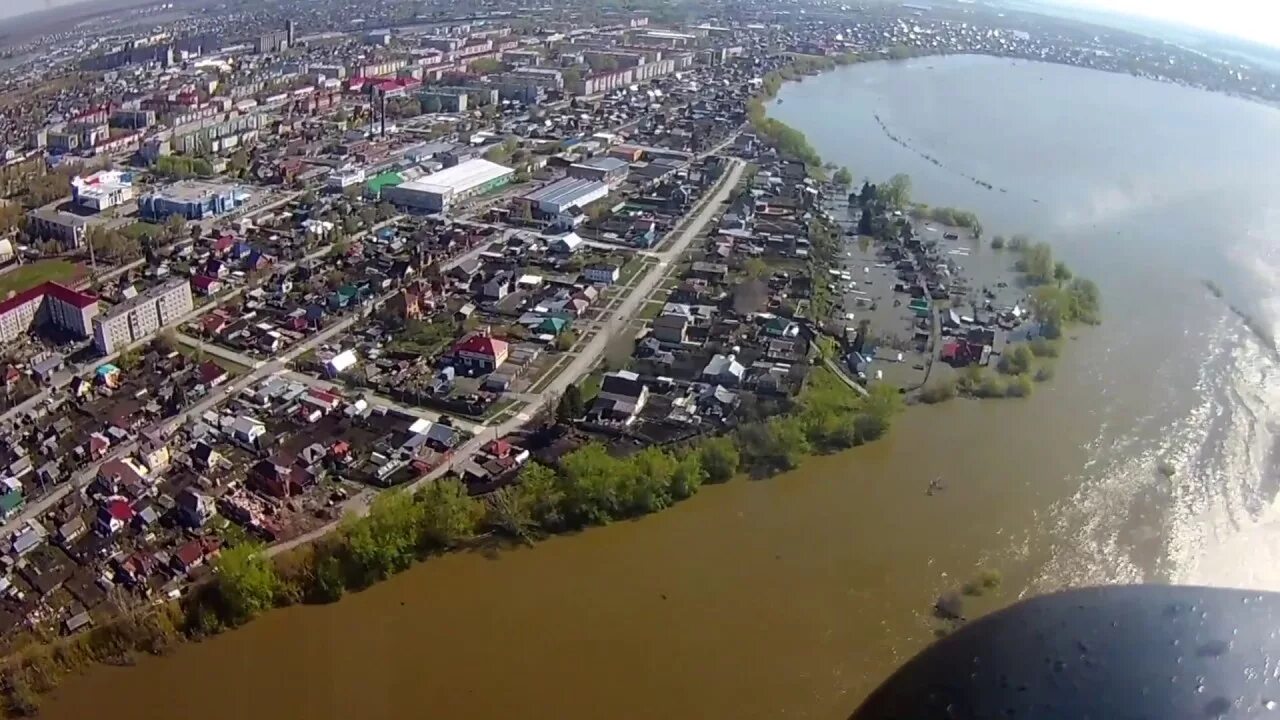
<point x="439" y="191"/>
<point x="102" y="190"/>
<point x="138" y="317"/>
<point x="345" y="178"/>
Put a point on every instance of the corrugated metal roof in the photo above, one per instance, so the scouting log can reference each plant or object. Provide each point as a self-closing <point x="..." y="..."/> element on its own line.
<point x="565" y="192"/>
<point x="460" y="177"/>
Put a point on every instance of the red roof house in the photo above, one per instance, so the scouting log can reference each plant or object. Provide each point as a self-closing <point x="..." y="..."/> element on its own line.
<point x="481" y="352"/>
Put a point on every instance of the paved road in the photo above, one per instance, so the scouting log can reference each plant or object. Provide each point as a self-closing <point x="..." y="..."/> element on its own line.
<point x="580" y="365"/>
<point x="383" y="401"/>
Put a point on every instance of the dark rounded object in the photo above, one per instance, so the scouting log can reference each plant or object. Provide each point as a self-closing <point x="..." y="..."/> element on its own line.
<point x="1142" y="651"/>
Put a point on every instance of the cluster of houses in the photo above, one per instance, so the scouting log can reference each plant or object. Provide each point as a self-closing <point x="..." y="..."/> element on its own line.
<point x="274" y="460"/>
<point x="293" y="303"/>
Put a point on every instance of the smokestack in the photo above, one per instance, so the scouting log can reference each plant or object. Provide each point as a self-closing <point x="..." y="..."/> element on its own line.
<point x="382" y="102"/>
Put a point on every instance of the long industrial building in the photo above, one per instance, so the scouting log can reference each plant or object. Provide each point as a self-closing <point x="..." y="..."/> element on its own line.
<point x="563" y="195"/>
<point x="439" y="191"/>
<point x="138" y="317"/>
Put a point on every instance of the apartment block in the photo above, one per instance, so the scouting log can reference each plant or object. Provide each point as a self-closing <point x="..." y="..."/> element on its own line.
<point x="141" y="316"/>
<point x="47" y="303"/>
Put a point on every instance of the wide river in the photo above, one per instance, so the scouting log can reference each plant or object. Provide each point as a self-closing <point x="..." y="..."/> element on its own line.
<point x="794" y="596"/>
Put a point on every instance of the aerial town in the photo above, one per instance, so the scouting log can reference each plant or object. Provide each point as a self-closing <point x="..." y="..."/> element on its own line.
<point x="264" y="263"/>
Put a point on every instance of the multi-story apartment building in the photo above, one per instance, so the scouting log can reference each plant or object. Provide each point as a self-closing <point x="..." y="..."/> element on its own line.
<point x="135" y="319"/>
<point x="47" y="303"/>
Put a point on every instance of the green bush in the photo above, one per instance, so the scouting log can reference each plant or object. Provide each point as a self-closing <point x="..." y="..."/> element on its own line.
<point x="938" y="391"/>
<point x="1018" y="387"/>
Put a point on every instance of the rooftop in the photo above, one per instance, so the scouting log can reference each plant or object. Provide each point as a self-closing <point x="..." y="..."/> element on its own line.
<point x="195" y="190"/>
<point x="461" y="177"/>
<point x="150" y="295"/>
<point x="63" y="293"/>
<point x="606" y="163"/>
<point x="564" y="192"/>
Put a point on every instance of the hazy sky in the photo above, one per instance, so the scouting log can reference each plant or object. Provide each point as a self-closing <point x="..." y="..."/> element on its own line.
<point x="9" y="8"/>
<point x="1257" y="20"/>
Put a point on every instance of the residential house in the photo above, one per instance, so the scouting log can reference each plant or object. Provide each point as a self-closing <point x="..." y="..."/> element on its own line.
<point x="113" y="517"/>
<point x="280" y="479"/>
<point x="711" y="272"/>
<point x="671" y="328"/>
<point x="194" y="509"/>
<point x="566" y="244"/>
<point x="211" y="374"/>
<point x="622" y="397"/>
<point x="498" y="287"/>
<point x="602" y="273"/>
<point x="121" y="477"/>
<point x="480" y="352"/>
<point x="247" y="431"/>
<point x="204" y="457"/>
<point x="206" y="285"/>
<point x="780" y="327"/>
<point x="724" y="370"/>
<point x="12" y="497"/>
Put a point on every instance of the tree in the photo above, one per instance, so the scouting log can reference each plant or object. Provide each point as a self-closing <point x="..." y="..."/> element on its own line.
<point x="591" y="484"/>
<point x="449" y="514"/>
<point x="1085" y="301"/>
<point x="1037" y="263"/>
<point x="1049" y="305"/>
<point x="571" y="405"/>
<point x="687" y="476"/>
<point x="509" y="510"/>
<point x="897" y="192"/>
<point x="327" y="581"/>
<point x="842" y="177"/>
<point x="755" y="267"/>
<point x="865" y="225"/>
<point x="868" y="195"/>
<point x="1016" y="360"/>
<point x="1061" y="272"/>
<point x="387" y="539"/>
<point x="1019" y="386"/>
<point x="774" y="446"/>
<point x="239" y="162"/>
<point x="566" y="340"/>
<point x="883" y="402"/>
<point x="541" y="489"/>
<point x="175" y="226"/>
<point x="486" y="66"/>
<point x="719" y="458"/>
<point x="247" y="581"/>
<point x="571" y="76"/>
<point x="997" y="242"/>
<point x="648" y="486"/>
<point x="603" y="63"/>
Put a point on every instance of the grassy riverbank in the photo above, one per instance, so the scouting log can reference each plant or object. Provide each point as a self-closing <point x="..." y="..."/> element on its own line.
<point x="588" y="487"/>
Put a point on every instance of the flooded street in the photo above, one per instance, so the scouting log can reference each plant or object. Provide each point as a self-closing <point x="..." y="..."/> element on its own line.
<point x="794" y="596"/>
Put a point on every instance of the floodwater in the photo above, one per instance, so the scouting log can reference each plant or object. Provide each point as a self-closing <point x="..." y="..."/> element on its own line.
<point x="796" y="595"/>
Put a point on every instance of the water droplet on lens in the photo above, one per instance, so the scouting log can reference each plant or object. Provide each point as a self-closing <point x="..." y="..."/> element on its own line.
<point x="1217" y="707"/>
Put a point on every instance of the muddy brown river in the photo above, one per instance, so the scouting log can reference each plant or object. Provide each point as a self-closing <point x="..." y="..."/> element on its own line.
<point x="794" y="596"/>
